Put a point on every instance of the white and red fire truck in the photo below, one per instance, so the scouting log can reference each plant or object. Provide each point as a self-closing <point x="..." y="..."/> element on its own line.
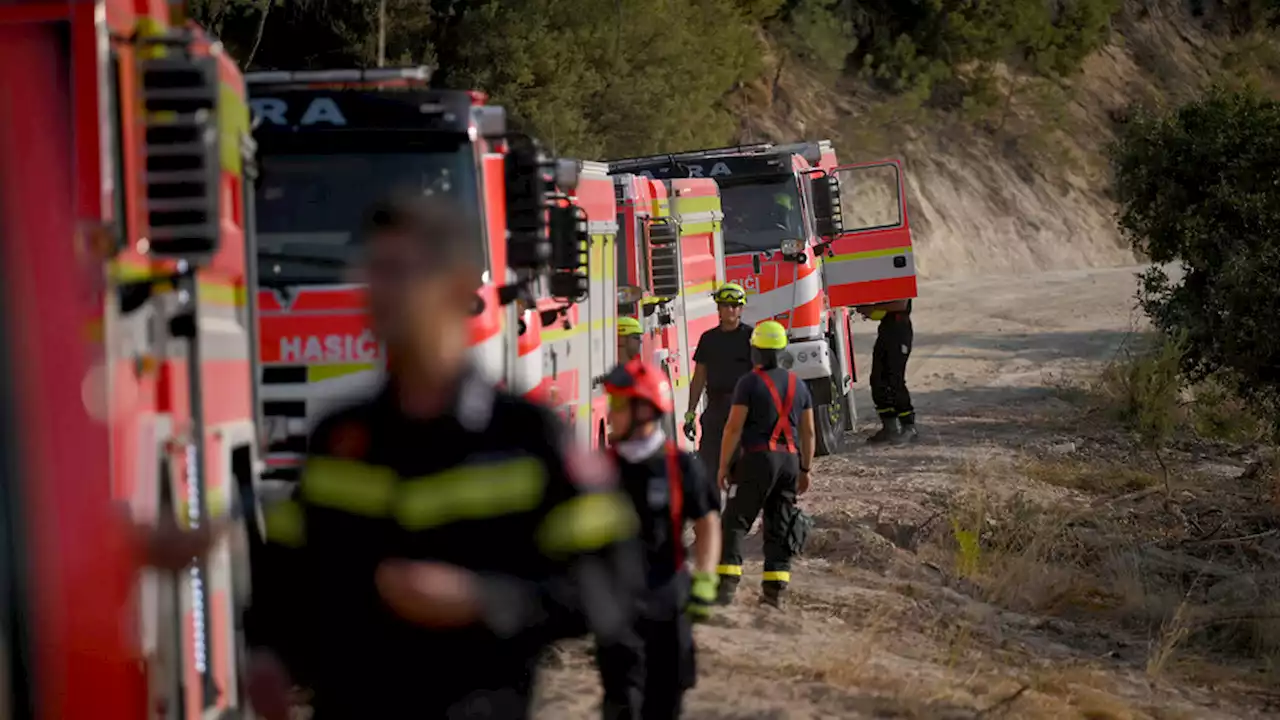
<point x="124" y="153"/>
<point x="805" y="251"/>
<point x="330" y="143"/>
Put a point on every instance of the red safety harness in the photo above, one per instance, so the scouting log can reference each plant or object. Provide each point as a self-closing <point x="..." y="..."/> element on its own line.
<point x="675" y="491"/>
<point x="781" y="429"/>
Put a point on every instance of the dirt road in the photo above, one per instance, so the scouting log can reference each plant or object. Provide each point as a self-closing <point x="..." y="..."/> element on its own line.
<point x="879" y="626"/>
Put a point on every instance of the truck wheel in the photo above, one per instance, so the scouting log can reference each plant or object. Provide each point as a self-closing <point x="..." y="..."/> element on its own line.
<point x="829" y="424"/>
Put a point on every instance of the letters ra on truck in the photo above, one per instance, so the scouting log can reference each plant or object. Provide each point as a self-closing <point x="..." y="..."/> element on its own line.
<point x="330" y="144"/>
<point x="803" y="253"/>
<point x="122" y="254"/>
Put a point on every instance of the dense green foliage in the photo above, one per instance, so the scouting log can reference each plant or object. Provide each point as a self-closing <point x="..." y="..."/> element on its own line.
<point x="617" y="77"/>
<point x="1200" y="187"/>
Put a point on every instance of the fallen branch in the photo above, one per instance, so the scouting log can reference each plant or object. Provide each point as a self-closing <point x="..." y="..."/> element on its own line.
<point x="1140" y="494"/>
<point x="1004" y="702"/>
<point x="1242" y="538"/>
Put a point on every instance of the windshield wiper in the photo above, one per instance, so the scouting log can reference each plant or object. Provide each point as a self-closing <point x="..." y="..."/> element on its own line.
<point x="321" y="260"/>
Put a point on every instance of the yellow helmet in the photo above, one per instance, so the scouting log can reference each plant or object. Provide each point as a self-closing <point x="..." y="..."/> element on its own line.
<point x="783" y="200"/>
<point x="730" y="294"/>
<point x="769" y="335"/>
<point x="629" y="326"/>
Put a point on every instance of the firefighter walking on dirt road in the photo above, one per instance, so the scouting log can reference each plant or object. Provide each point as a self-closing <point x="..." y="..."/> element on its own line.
<point x="646" y="673"/>
<point x="772" y="421"/>
<point x="723" y="356"/>
<point x="889" y="372"/>
<point x="444" y="533"/>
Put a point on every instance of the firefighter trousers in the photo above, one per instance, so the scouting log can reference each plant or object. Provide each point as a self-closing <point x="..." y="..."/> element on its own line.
<point x="889" y="369"/>
<point x="646" y="673"/>
<point x="713" y="420"/>
<point x="762" y="481"/>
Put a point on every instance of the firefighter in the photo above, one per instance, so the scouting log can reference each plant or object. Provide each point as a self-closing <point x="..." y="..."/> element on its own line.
<point x="646" y="673"/>
<point x="630" y="336"/>
<point x="444" y="532"/>
<point x="889" y="372"/>
<point x="783" y="211"/>
<point x="772" y="420"/>
<point x="723" y="356"/>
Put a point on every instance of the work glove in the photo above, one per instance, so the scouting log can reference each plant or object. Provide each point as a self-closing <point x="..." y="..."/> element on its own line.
<point x="690" y="429"/>
<point x="702" y="596"/>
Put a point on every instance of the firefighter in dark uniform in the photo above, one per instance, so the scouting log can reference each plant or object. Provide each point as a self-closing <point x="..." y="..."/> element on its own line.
<point x="772" y="422"/>
<point x="889" y="372"/>
<point x="723" y="356"/>
<point x="444" y="532"/>
<point x="646" y="673"/>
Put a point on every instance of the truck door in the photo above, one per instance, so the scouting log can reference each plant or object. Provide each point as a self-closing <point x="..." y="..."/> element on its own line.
<point x="862" y="217"/>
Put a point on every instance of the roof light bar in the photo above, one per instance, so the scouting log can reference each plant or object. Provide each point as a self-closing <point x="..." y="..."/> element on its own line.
<point x="420" y="74"/>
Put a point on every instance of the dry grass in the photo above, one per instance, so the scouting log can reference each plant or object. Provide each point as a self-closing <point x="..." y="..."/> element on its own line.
<point x="1091" y="476"/>
<point x="1187" y="576"/>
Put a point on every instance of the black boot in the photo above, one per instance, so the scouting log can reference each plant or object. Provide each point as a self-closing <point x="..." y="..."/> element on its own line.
<point x="889" y="430"/>
<point x="772" y="593"/>
<point x="907" y="433"/>
<point x="728" y="586"/>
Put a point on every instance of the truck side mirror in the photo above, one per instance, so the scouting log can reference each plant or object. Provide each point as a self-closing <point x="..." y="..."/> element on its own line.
<point x="569" y="253"/>
<point x="629" y="294"/>
<point x="664" y="256"/>
<point x="528" y="186"/>
<point x="183" y="156"/>
<point x="827" y="214"/>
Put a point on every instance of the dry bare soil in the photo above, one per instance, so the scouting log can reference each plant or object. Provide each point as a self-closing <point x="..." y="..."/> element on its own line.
<point x="1023" y="560"/>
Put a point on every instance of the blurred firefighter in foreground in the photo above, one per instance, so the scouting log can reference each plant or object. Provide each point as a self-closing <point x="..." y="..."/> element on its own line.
<point x="646" y="672"/>
<point x="771" y="407"/>
<point x="630" y="338"/>
<point x="723" y="356"/>
<point x="889" y="371"/>
<point x="444" y="532"/>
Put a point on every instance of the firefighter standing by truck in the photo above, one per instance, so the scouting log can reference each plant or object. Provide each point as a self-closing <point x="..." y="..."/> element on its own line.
<point x="723" y="356"/>
<point x="772" y="421"/>
<point x="444" y="532"/>
<point x="889" y="372"/>
<point x="646" y="672"/>
<point x="630" y="338"/>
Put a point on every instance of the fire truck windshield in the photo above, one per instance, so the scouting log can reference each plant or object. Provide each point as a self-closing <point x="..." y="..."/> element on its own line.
<point x="310" y="206"/>
<point x="760" y="213"/>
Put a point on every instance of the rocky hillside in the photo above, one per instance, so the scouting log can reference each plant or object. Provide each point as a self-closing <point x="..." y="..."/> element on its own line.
<point x="1025" y="187"/>
<point x="1002" y="109"/>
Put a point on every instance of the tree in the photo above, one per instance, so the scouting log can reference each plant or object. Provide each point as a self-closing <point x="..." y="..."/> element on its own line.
<point x="1200" y="187"/>
<point x="607" y="79"/>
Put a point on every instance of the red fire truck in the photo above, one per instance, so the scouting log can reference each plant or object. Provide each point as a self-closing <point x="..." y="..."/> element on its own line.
<point x="670" y="250"/>
<point x="330" y="144"/>
<point x="804" y="252"/>
<point x="123" y="145"/>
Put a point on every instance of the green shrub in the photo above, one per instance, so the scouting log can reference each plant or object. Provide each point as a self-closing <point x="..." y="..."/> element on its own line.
<point x="1199" y="189"/>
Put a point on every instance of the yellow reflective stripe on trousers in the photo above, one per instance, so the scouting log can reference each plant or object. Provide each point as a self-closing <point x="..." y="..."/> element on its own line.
<point x="586" y="523"/>
<point x="777" y="576"/>
<point x="286" y="524"/>
<point x="354" y="487"/>
<point x="470" y="492"/>
<point x="729" y="570"/>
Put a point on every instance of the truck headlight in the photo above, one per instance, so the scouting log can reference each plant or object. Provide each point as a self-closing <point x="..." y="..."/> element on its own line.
<point x="792" y="246"/>
<point x="785" y="361"/>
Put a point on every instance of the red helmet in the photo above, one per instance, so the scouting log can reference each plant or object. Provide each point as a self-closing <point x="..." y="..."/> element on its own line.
<point x="639" y="380"/>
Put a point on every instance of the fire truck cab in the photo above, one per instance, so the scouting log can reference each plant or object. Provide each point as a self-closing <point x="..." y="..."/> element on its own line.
<point x="332" y="142"/>
<point x="124" y="161"/>
<point x="783" y="222"/>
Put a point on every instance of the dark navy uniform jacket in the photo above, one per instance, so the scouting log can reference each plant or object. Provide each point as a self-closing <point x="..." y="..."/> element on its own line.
<point x="492" y="486"/>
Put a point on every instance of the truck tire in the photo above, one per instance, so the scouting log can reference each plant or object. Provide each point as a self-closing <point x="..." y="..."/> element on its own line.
<point x="829" y="421"/>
